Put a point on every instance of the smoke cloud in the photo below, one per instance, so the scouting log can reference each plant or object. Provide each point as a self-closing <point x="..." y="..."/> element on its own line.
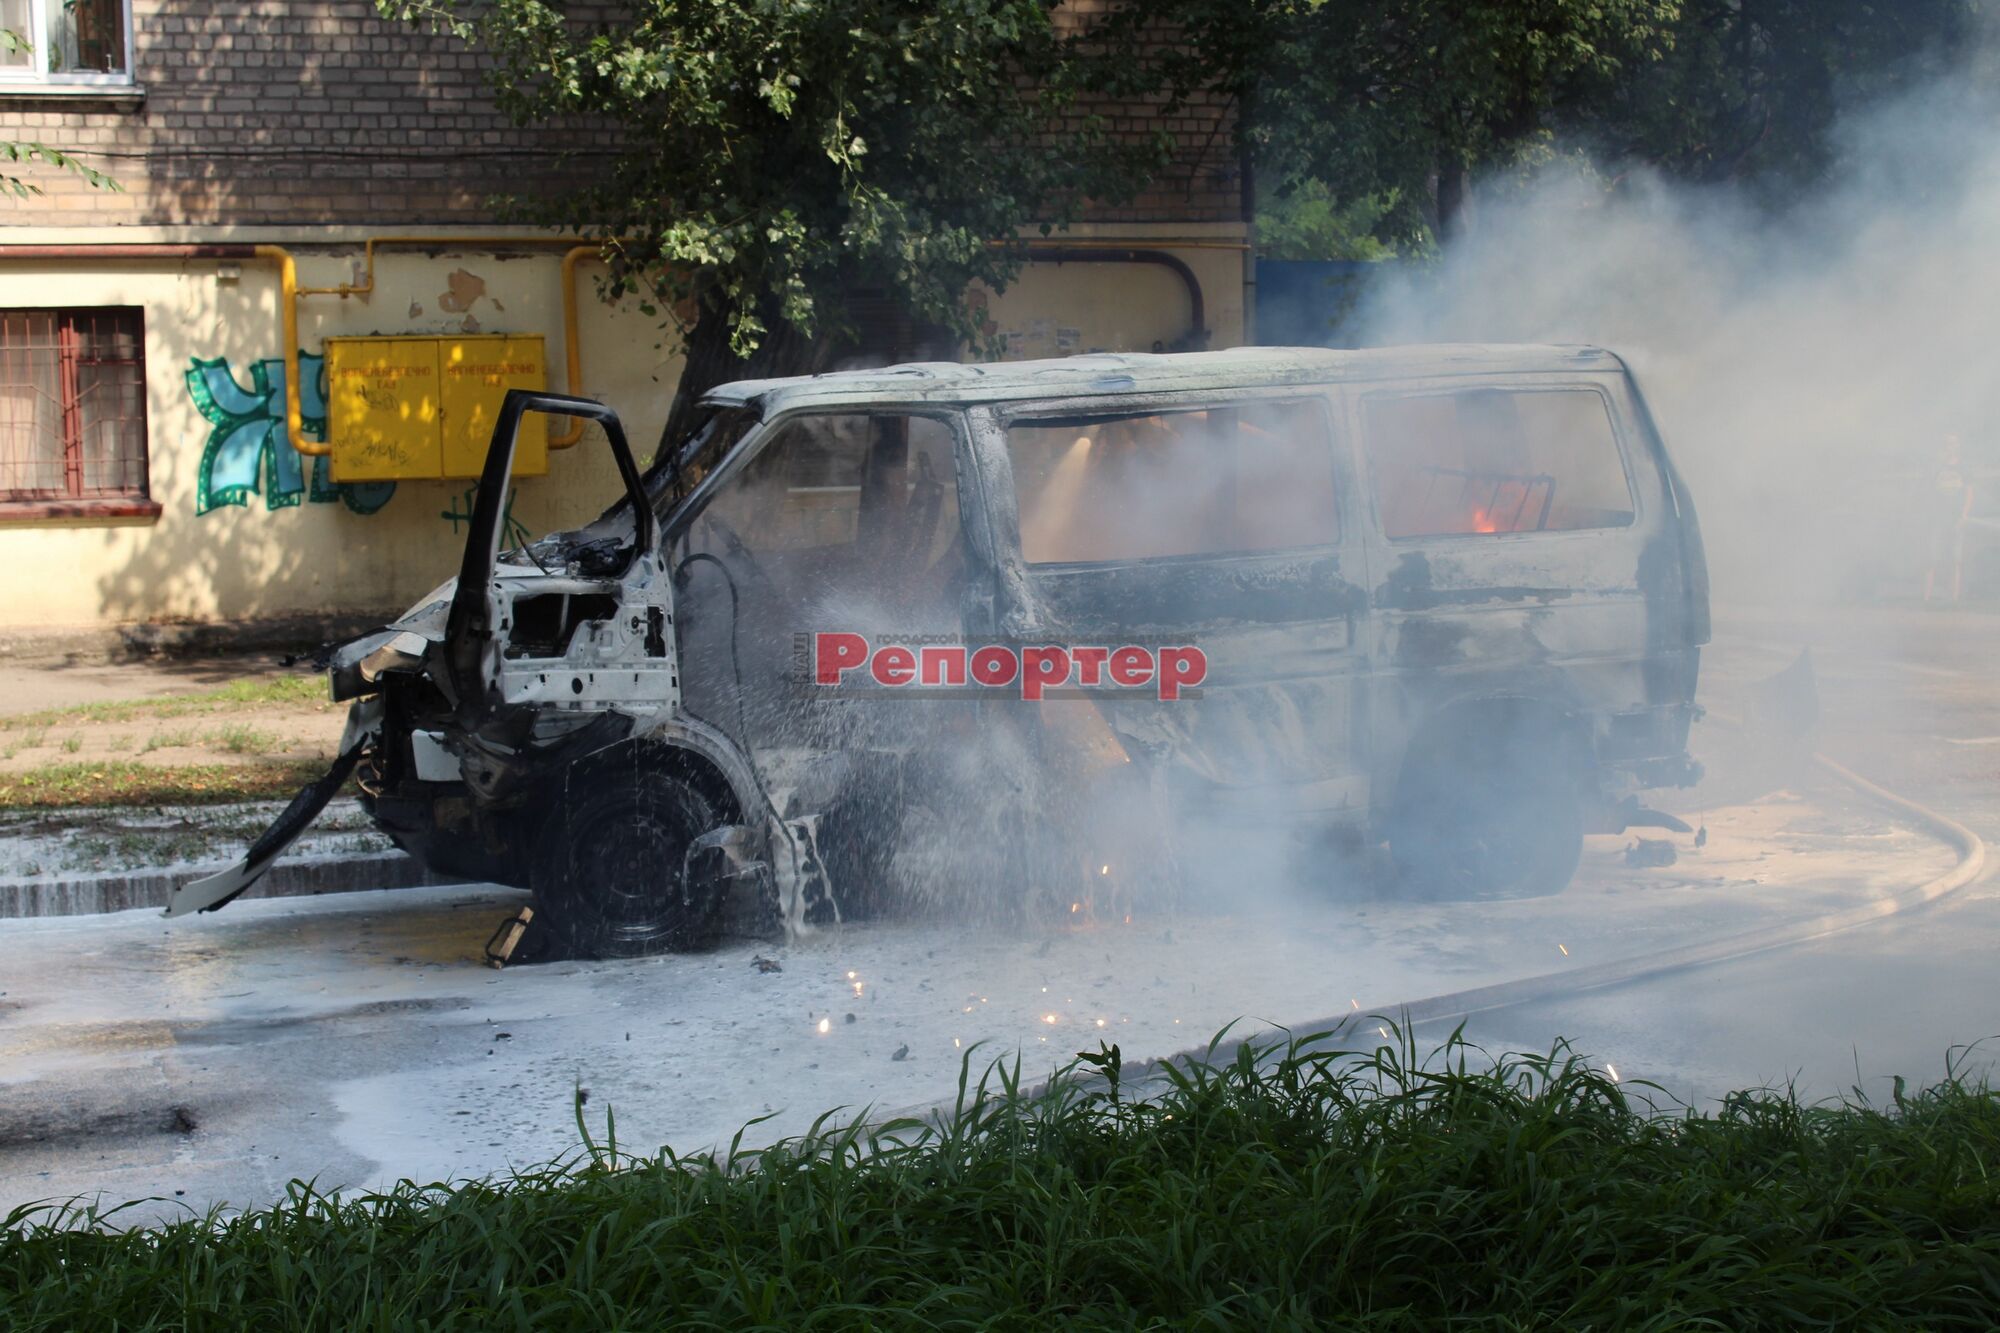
<point x="1803" y="365"/>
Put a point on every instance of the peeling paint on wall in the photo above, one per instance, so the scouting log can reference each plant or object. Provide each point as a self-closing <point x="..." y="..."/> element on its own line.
<point x="464" y="292"/>
<point x="247" y="450"/>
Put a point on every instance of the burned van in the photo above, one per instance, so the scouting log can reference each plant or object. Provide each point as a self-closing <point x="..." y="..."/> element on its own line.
<point x="1452" y="598"/>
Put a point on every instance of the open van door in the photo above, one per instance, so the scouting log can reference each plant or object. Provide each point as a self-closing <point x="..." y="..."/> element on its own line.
<point x="551" y="651"/>
<point x="590" y="630"/>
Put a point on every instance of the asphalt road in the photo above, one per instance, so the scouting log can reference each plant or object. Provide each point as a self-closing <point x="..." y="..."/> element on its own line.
<point x="357" y="1039"/>
<point x="1908" y="698"/>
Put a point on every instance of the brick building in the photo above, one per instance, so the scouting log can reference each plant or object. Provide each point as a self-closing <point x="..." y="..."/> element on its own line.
<point x="148" y="466"/>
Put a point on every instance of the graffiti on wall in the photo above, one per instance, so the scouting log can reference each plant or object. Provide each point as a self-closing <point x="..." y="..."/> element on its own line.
<point x="248" y="451"/>
<point x="513" y="532"/>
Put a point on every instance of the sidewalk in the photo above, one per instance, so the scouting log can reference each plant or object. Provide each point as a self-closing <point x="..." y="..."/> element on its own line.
<point x="122" y="777"/>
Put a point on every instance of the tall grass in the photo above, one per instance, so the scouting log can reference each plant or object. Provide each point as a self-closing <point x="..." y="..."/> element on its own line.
<point x="1294" y="1186"/>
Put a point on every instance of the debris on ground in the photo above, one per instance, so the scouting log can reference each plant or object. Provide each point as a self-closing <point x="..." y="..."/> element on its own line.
<point x="1651" y="853"/>
<point x="500" y="947"/>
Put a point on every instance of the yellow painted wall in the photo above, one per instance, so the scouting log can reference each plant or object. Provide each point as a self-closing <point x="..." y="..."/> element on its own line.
<point x="252" y="561"/>
<point x="1077" y="307"/>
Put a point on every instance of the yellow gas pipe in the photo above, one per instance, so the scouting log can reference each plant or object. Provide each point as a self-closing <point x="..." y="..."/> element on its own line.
<point x="290" y="292"/>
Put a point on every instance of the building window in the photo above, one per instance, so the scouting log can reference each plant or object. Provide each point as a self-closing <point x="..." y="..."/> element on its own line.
<point x="66" y="43"/>
<point x="73" y="411"/>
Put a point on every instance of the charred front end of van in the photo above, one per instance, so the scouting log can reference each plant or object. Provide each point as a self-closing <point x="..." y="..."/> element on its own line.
<point x="455" y="761"/>
<point x="522" y="725"/>
<point x="586" y="726"/>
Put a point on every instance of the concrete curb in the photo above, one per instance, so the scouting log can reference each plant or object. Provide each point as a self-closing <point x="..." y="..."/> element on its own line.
<point x="90" y="894"/>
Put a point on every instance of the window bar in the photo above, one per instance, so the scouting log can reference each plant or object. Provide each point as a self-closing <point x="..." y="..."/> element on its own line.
<point x="72" y="407"/>
<point x="1548" y="503"/>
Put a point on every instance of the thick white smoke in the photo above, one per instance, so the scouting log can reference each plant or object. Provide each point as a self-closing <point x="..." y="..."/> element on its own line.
<point x="1804" y="365"/>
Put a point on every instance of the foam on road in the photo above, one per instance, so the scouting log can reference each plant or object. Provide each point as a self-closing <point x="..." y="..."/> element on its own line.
<point x="359" y="1039"/>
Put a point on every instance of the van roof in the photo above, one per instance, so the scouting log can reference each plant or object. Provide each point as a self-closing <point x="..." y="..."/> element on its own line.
<point x="934" y="382"/>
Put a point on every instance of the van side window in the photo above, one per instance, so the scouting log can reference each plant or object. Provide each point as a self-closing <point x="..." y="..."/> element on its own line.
<point x="865" y="499"/>
<point x="1494" y="460"/>
<point x="1257" y="476"/>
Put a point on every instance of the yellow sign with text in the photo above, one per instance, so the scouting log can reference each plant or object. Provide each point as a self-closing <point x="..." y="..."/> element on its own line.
<point x="412" y="409"/>
<point x="477" y="374"/>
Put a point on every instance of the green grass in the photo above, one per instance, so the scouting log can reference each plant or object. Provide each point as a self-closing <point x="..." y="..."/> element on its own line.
<point x="1302" y="1189"/>
<point x="167" y="740"/>
<point x="124" y="782"/>
<point x="239" y="693"/>
<point x="240" y="738"/>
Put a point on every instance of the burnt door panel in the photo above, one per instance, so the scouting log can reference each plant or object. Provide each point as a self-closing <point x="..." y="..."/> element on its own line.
<point x="1217" y="526"/>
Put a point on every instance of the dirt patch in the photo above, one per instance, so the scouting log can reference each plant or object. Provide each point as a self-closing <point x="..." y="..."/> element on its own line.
<point x="237" y="727"/>
<point x="255" y="737"/>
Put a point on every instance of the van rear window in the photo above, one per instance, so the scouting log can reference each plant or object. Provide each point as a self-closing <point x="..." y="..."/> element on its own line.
<point x="1253" y="477"/>
<point x="1494" y="460"/>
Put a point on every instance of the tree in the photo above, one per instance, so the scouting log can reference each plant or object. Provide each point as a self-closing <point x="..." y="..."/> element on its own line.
<point x="1751" y="88"/>
<point x="777" y="156"/>
<point x="13" y="152"/>
<point x="1400" y="101"/>
<point x="1391" y="106"/>
<point x="1306" y="221"/>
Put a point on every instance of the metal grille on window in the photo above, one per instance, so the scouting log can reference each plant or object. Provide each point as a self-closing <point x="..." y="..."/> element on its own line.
<point x="72" y="405"/>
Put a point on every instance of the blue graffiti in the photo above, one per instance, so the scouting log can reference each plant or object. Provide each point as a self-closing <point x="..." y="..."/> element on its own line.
<point x="248" y="450"/>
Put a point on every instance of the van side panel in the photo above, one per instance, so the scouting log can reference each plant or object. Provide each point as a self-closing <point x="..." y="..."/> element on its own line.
<point x="1586" y="626"/>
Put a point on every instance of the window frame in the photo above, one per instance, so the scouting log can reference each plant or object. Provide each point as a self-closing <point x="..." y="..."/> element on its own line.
<point x="75" y="501"/>
<point x="767" y="432"/>
<point x="40" y="78"/>
<point x="1008" y="415"/>
<point x="1621" y="436"/>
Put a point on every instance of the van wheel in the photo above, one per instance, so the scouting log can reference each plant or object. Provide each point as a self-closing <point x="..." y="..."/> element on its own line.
<point x="609" y="866"/>
<point x="1485" y="830"/>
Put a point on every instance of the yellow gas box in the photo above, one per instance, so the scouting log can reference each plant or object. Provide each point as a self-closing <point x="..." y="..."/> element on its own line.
<point x="477" y="374"/>
<point x="423" y="408"/>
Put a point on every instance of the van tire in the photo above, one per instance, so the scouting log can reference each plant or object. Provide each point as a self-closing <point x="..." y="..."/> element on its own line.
<point x="1485" y="829"/>
<point x="608" y="866"/>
